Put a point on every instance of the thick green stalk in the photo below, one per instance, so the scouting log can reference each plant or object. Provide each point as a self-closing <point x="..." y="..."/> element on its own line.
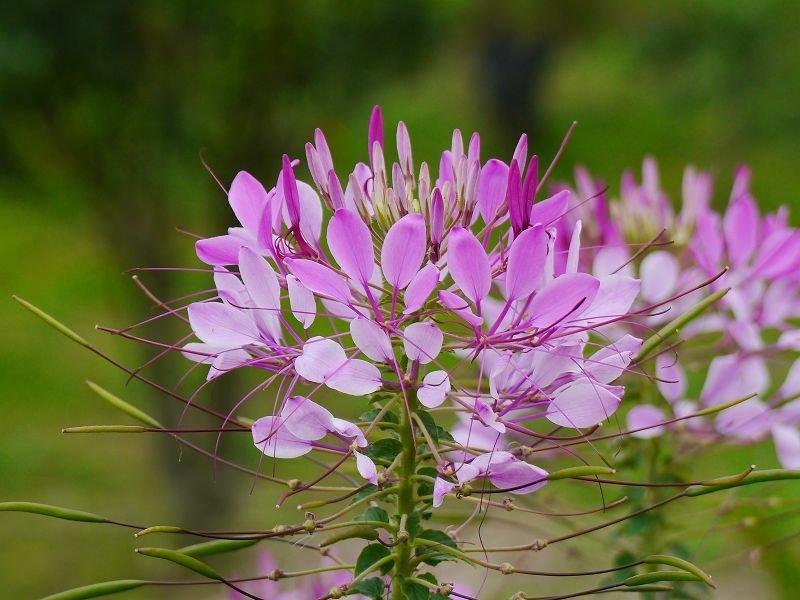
<point x="406" y="497"/>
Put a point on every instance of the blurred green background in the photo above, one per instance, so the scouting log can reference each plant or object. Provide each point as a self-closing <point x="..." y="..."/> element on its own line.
<point x="106" y="109"/>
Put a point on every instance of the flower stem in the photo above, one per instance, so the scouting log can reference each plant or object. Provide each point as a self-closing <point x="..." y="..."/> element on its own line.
<point x="406" y="496"/>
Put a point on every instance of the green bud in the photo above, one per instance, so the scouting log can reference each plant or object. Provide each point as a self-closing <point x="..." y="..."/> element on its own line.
<point x="98" y="589"/>
<point x="57" y="512"/>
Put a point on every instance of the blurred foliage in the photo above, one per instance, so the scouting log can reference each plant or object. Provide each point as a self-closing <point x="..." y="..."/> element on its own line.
<point x="107" y="107"/>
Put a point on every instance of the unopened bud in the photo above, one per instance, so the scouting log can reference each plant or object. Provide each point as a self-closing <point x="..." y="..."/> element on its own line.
<point x="310" y="526"/>
<point x="506" y="568"/>
<point x="294" y="484"/>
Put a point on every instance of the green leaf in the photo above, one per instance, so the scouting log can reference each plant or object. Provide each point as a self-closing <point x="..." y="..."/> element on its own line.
<point x="388" y="417"/>
<point x="217" y="547"/>
<point x="367" y="491"/>
<point x="425" y="488"/>
<point x="412" y="524"/>
<point x="373" y="513"/>
<point x="370" y="555"/>
<point x="183" y="560"/>
<point x="430" y="554"/>
<point x="96" y="590"/>
<point x="371" y="588"/>
<point x="384" y="451"/>
<point x="415" y="591"/>
<point x="57" y="512"/>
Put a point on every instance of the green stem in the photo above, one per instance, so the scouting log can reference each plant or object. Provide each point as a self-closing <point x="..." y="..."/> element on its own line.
<point x="406" y="496"/>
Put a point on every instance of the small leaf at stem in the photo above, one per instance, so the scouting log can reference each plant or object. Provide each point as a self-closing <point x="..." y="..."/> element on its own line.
<point x="369" y="556"/>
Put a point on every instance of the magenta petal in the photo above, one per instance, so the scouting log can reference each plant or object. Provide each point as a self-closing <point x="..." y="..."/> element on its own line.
<point x="563" y="299"/>
<point x="582" y="404"/>
<point x="219" y="251"/>
<point x="787" y="445"/>
<point x="371" y="339"/>
<point x="526" y="262"/>
<point x="319" y="279"/>
<point x="350" y="242"/>
<point x="422" y="342"/>
<point x="460" y="307"/>
<point x="647" y="418"/>
<point x="492" y="188"/>
<point x="468" y="264"/>
<point x="403" y="250"/>
<point x="247" y="198"/>
<point x="375" y="132"/>
<point x="421" y="286"/>
<point x="301" y="300"/>
<point x="274" y="440"/>
<point x="222" y="324"/>
<point x="550" y="210"/>
<point x="309" y="209"/>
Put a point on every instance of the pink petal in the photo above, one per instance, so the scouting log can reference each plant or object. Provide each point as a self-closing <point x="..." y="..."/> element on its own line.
<point x="350" y="242"/>
<point x="563" y="299"/>
<point x="574" y="253"/>
<point x="740" y="225"/>
<point x="460" y="307"/>
<point x="218" y="323"/>
<point x="582" y="404"/>
<point x="549" y="211"/>
<point x="492" y="188"/>
<point x="275" y="441"/>
<point x="434" y="389"/>
<point x="707" y="244"/>
<point x="672" y="380"/>
<point x="422" y="342"/>
<point x="610" y="259"/>
<point x="476" y="435"/>
<point x="421" y="286"/>
<point x="610" y="362"/>
<point x="301" y="300"/>
<point x="614" y="298"/>
<point x="247" y="198"/>
<point x="366" y="468"/>
<point x="350" y="430"/>
<point x="526" y="263"/>
<point x="375" y="132"/>
<point x="371" y="339"/>
<point x="226" y="361"/>
<point x="403" y="250"/>
<point x="647" y="418"/>
<point x="220" y="250"/>
<point x="441" y="487"/>
<point x="787" y="445"/>
<point x="320" y="358"/>
<point x="229" y="287"/>
<point x="659" y="273"/>
<point x="749" y="421"/>
<point x="791" y="385"/>
<point x="319" y="279"/>
<point x="264" y="289"/>
<point x="305" y="419"/>
<point x="355" y="377"/>
<point x="310" y="212"/>
<point x="732" y="377"/>
<point x="518" y="477"/>
<point x="487" y="416"/>
<point x="468" y="264"/>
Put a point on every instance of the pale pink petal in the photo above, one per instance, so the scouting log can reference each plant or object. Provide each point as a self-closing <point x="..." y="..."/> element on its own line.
<point x="468" y="264"/>
<point x="220" y="250"/>
<point x="492" y="188"/>
<point x="421" y="286"/>
<point x="305" y="419"/>
<point x="441" y="487"/>
<point x="563" y="299"/>
<point x="275" y="441"/>
<point x="320" y="279"/>
<point x="574" y="253"/>
<point x="778" y="254"/>
<point x="732" y="377"/>
<point x="582" y="404"/>
<point x="614" y="298"/>
<point x="247" y="198"/>
<point x="610" y="362"/>
<point x="787" y="445"/>
<point x="550" y="210"/>
<point x="403" y="250"/>
<point x="422" y="342"/>
<point x="748" y="421"/>
<point x="226" y="361"/>
<point x="350" y="242"/>
<point x="229" y="287"/>
<point x="517" y="477"/>
<point x="611" y="259"/>
<point x="371" y="339"/>
<point x="460" y="307"/>
<point x="222" y="324"/>
<point x="320" y="358"/>
<point x="355" y="377"/>
<point x="526" y="262"/>
<point x="474" y="434"/>
<point x="671" y="378"/>
<point x="791" y="385"/>
<point x="301" y="300"/>
<point x="659" y="273"/>
<point x="434" y="389"/>
<point x="740" y="225"/>
<point x="707" y="244"/>
<point x="648" y="418"/>
<point x="366" y="468"/>
<point x="350" y="430"/>
<point x="264" y="289"/>
<point x="487" y="416"/>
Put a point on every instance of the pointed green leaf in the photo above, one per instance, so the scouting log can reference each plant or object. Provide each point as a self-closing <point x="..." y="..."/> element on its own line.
<point x="370" y="555"/>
